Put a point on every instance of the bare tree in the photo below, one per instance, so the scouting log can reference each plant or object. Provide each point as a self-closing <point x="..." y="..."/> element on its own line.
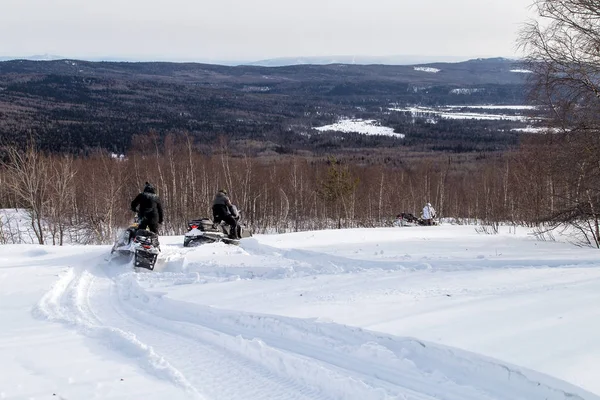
<point x="61" y="197"/>
<point x="562" y="50"/>
<point x="28" y="180"/>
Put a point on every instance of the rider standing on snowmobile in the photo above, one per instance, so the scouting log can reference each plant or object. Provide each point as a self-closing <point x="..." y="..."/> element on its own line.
<point x="223" y="210"/>
<point x="150" y="210"/>
<point x="428" y="214"/>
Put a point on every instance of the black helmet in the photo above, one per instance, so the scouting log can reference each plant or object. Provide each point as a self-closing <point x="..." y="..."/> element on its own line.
<point x="149" y="188"/>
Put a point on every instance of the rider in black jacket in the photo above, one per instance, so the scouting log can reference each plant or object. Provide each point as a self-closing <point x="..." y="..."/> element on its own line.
<point x="223" y="210"/>
<point x="150" y="210"/>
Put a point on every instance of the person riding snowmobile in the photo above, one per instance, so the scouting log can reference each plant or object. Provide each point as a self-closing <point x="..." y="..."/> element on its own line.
<point x="224" y="210"/>
<point x="150" y="210"/>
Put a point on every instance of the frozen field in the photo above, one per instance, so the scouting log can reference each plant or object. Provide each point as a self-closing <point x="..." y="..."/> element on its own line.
<point x="364" y="127"/>
<point x="392" y="313"/>
<point x="476" y="113"/>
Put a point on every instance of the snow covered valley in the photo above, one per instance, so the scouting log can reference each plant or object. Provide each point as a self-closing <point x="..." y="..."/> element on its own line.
<point x="390" y="313"/>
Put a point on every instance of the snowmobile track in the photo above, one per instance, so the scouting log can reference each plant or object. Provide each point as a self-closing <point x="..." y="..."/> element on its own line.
<point x="88" y="301"/>
<point x="219" y="354"/>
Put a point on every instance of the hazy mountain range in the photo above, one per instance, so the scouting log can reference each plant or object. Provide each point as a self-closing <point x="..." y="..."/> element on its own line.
<point x="361" y="60"/>
<point x="73" y="105"/>
<point x="270" y="62"/>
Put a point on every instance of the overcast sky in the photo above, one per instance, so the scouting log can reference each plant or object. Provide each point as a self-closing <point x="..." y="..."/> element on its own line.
<point x="257" y="29"/>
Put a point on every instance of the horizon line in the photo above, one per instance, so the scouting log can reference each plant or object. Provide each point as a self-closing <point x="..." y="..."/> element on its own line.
<point x="231" y="62"/>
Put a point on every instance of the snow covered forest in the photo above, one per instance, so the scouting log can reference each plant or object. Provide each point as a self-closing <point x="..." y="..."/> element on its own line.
<point x="329" y="296"/>
<point x="549" y="180"/>
<point x="551" y="177"/>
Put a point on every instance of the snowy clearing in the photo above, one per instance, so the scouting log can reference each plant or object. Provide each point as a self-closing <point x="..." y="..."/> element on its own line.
<point x="365" y="127"/>
<point x="387" y="313"/>
<point x="538" y="129"/>
<point x="427" y="69"/>
<point x="466" y="90"/>
<point x="448" y="112"/>
<point x="497" y="107"/>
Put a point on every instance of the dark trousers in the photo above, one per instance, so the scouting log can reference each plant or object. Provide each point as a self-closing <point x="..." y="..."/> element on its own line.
<point x="229" y="220"/>
<point x="150" y="225"/>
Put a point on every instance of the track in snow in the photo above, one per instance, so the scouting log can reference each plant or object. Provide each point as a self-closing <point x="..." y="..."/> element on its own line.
<point x="220" y="354"/>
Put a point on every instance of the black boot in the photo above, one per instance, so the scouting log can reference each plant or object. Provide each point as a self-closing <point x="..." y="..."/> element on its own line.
<point x="233" y="233"/>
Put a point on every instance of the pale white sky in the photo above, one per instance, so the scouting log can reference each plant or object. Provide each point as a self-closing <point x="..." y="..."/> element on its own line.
<point x="258" y="29"/>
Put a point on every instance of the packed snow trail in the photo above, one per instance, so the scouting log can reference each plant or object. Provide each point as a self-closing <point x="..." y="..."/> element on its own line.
<point x="218" y="354"/>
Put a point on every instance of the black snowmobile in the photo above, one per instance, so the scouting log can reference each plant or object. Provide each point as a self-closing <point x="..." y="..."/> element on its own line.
<point x="408" y="219"/>
<point x="147" y="248"/>
<point x="203" y="231"/>
<point x="140" y="244"/>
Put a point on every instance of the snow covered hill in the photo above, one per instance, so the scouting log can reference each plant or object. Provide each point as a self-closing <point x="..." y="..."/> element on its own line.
<point x="393" y="313"/>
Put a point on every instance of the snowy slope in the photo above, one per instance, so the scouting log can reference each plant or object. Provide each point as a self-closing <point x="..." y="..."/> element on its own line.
<point x="364" y="127"/>
<point x="354" y="314"/>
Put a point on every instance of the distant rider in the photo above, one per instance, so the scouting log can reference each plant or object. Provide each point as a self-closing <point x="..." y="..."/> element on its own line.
<point x="428" y="214"/>
<point x="150" y="210"/>
<point x="224" y="210"/>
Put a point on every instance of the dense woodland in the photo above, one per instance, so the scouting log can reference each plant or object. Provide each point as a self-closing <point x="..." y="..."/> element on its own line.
<point x="77" y="107"/>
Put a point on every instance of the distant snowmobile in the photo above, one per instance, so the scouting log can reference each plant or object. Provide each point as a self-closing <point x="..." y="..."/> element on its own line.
<point x="203" y="231"/>
<point x="408" y="219"/>
<point x="140" y="244"/>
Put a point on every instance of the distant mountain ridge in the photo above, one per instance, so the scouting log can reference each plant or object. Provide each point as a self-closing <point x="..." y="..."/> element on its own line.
<point x="37" y="57"/>
<point x="269" y="62"/>
<point x="72" y="105"/>
<point x="358" y="59"/>
<point x="479" y="71"/>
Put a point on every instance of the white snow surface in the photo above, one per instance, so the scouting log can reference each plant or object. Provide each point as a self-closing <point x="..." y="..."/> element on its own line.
<point x="449" y="112"/>
<point x="538" y="129"/>
<point x="427" y="69"/>
<point x="15" y="226"/>
<point x="365" y="127"/>
<point x="497" y="106"/>
<point x="466" y="90"/>
<point x="416" y="313"/>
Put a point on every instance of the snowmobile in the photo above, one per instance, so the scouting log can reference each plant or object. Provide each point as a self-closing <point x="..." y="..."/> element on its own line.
<point x="203" y="231"/>
<point x="123" y="244"/>
<point x="140" y="244"/>
<point x="408" y="219"/>
<point x="147" y="249"/>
